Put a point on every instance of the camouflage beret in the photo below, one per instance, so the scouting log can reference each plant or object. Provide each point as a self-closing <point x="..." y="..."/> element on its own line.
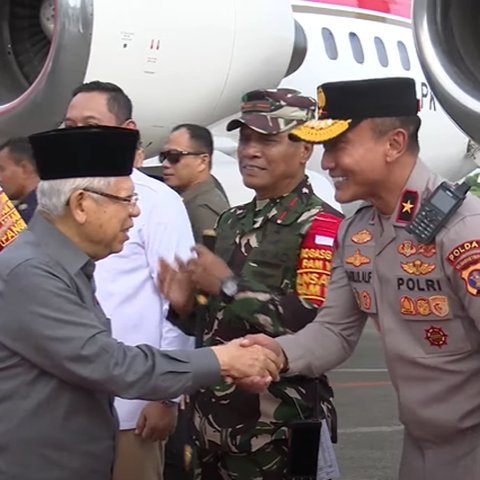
<point x="274" y="111"/>
<point x="342" y="105"/>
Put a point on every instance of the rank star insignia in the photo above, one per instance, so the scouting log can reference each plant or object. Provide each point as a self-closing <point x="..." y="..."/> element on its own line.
<point x="357" y="259"/>
<point x="407" y="207"/>
<point x="407" y="248"/>
<point x="436" y="336"/>
<point x="417" y="267"/>
<point x="361" y="237"/>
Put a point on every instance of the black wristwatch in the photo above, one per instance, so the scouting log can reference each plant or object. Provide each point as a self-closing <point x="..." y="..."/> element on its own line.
<point x="229" y="288"/>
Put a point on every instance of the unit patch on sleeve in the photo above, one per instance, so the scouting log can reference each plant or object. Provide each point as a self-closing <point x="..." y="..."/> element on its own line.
<point x="436" y="336"/>
<point x="315" y="258"/>
<point x="417" y="267"/>
<point x="362" y="237"/>
<point x="459" y="251"/>
<point x="465" y="258"/>
<point x="357" y="259"/>
<point x="471" y="277"/>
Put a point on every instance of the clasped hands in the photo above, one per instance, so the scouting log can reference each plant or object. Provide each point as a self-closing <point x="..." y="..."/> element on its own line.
<point x="252" y="362"/>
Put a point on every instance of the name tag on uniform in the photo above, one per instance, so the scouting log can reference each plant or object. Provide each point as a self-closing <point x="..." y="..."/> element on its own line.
<point x="322" y="240"/>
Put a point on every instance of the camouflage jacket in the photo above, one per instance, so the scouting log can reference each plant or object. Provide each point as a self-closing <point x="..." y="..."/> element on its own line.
<point x="263" y="247"/>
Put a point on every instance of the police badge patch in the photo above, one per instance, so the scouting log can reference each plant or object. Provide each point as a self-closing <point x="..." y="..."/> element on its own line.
<point x="357" y="259"/>
<point x="362" y="237"/>
<point x="436" y="336"/>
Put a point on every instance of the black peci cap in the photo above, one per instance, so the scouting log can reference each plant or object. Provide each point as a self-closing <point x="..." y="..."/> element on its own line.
<point x="85" y="152"/>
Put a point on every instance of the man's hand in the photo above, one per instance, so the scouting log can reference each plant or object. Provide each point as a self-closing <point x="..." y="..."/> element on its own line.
<point x="207" y="270"/>
<point x="176" y="286"/>
<point x="156" y="421"/>
<point x="239" y="362"/>
<point x="266" y="342"/>
<point x="256" y="384"/>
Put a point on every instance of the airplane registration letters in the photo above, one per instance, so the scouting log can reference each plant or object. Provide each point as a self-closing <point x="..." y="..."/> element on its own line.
<point x="418" y="284"/>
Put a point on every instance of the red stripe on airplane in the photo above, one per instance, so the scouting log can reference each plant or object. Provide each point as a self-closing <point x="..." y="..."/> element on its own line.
<point x="402" y="8"/>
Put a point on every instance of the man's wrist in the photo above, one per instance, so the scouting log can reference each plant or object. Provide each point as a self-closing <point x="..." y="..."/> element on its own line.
<point x="285" y="364"/>
<point x="229" y="287"/>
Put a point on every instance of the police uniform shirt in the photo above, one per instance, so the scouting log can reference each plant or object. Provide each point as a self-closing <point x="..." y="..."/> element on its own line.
<point x="426" y="301"/>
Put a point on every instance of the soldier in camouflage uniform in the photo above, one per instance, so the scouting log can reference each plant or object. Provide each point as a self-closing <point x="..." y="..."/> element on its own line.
<point x="269" y="274"/>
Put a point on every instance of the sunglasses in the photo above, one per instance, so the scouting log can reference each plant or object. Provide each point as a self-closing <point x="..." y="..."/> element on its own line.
<point x="174" y="156"/>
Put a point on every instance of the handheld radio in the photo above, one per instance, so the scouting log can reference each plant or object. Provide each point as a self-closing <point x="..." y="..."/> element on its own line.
<point x="436" y="210"/>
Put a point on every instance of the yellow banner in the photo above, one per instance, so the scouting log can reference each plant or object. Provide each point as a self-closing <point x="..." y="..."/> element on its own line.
<point x="9" y="216"/>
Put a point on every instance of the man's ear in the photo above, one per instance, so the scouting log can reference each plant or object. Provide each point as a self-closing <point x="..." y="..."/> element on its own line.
<point x="27" y="168"/>
<point x="307" y="150"/>
<point x="130" y="123"/>
<point x="397" y="144"/>
<point x="139" y="158"/>
<point x="78" y="205"/>
<point x="206" y="162"/>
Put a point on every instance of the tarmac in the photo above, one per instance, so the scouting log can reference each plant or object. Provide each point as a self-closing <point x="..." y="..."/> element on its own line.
<point x="370" y="435"/>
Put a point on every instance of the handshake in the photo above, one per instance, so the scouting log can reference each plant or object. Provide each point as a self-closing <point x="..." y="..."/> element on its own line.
<point x="251" y="362"/>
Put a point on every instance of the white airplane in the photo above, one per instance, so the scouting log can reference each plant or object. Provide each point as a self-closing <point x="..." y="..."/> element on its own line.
<point x="191" y="61"/>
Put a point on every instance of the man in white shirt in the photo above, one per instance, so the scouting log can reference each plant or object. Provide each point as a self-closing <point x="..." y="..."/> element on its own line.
<point x="127" y="290"/>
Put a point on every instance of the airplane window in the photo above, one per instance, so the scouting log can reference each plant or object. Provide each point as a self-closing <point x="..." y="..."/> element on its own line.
<point x="357" y="48"/>
<point x="381" y="52"/>
<point x="330" y="44"/>
<point x="404" y="58"/>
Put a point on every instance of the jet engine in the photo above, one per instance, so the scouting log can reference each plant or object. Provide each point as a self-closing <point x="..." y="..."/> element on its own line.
<point x="448" y="39"/>
<point x="187" y="61"/>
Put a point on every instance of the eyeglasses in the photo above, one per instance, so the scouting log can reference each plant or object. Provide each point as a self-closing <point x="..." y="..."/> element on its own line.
<point x="174" y="156"/>
<point x="130" y="200"/>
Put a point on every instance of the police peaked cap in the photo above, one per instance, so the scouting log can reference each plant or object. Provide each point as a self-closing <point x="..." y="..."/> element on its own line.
<point x="85" y="152"/>
<point x="342" y="105"/>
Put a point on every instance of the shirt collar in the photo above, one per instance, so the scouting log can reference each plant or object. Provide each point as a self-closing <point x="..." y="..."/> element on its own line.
<point x="419" y="183"/>
<point x="287" y="208"/>
<point x="60" y="247"/>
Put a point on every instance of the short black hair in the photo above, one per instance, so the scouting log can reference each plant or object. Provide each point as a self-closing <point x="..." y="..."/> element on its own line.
<point x="411" y="124"/>
<point x="118" y="102"/>
<point x="199" y="135"/>
<point x="20" y="150"/>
